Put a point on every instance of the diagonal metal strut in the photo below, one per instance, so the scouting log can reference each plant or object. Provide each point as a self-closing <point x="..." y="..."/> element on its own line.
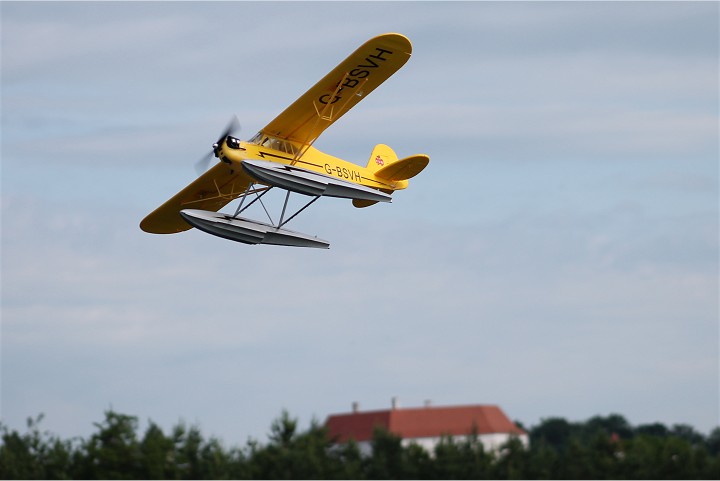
<point x="258" y="197"/>
<point x="296" y="213"/>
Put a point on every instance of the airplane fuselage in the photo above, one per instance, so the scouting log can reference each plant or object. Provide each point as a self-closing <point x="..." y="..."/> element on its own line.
<point x="284" y="152"/>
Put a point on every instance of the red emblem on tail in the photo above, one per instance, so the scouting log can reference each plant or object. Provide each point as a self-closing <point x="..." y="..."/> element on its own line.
<point x="379" y="161"/>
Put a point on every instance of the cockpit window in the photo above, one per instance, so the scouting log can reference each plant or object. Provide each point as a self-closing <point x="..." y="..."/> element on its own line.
<point x="289" y="148"/>
<point x="269" y="142"/>
<point x="274" y="143"/>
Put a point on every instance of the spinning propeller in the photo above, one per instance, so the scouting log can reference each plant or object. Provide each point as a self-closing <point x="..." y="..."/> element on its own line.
<point x="201" y="166"/>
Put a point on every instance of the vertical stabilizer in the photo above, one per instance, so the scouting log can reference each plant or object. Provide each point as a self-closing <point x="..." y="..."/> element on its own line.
<point x="385" y="165"/>
<point x="381" y="156"/>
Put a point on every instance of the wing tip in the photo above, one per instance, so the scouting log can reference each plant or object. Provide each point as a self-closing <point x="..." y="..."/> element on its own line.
<point x="397" y="39"/>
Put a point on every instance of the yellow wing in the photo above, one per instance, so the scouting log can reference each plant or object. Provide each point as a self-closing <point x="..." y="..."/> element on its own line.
<point x="211" y="191"/>
<point x="358" y="75"/>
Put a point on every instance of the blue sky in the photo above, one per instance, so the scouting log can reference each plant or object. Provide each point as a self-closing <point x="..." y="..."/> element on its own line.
<point x="559" y="256"/>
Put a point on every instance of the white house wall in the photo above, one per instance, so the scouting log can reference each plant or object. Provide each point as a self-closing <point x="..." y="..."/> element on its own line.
<point x="491" y="442"/>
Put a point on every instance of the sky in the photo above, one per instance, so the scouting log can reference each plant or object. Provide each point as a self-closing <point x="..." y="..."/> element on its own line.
<point x="558" y="257"/>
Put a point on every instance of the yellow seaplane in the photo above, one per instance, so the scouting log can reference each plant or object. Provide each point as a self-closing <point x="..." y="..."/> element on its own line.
<point x="282" y="156"/>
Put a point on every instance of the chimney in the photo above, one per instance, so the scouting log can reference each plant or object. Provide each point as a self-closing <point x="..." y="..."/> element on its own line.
<point x="428" y="403"/>
<point x="395" y="403"/>
<point x="355" y="407"/>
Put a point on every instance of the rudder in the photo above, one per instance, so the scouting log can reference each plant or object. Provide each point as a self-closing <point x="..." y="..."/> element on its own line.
<point x="381" y="156"/>
<point x="384" y="164"/>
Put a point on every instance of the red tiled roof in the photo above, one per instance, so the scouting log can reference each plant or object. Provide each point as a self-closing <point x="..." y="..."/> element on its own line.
<point x="427" y="422"/>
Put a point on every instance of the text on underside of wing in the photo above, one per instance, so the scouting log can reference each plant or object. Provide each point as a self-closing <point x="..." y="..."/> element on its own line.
<point x="361" y="71"/>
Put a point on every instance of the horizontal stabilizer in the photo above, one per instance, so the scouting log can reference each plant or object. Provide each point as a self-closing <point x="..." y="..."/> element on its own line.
<point x="404" y="169"/>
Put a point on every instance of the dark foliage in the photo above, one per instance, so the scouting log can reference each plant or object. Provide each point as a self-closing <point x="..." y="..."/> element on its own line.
<point x="600" y="448"/>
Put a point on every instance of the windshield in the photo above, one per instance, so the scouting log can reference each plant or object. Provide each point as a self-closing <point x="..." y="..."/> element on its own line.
<point x="274" y="143"/>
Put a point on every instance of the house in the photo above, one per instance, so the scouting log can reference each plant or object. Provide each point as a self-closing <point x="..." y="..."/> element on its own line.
<point x="427" y="425"/>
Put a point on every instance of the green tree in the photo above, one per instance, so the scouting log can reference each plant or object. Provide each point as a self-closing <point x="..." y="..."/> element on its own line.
<point x="187" y="442"/>
<point x="386" y="461"/>
<point x="640" y="457"/>
<point x="555" y="432"/>
<point x="543" y="461"/>
<point x="293" y="455"/>
<point x="466" y="459"/>
<point x="688" y="433"/>
<point x="601" y="448"/>
<point x="157" y="453"/>
<point x="575" y="462"/>
<point x="477" y="460"/>
<point x="34" y="455"/>
<point x="654" y="429"/>
<point x="17" y="459"/>
<point x="416" y="462"/>
<point x="609" y="425"/>
<point x="450" y="461"/>
<point x="512" y="460"/>
<point x="713" y="442"/>
<point x="215" y="462"/>
<point x="349" y="459"/>
<point x="676" y="459"/>
<point x="113" y="452"/>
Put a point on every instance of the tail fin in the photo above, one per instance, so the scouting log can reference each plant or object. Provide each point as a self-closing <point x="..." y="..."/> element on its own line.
<point x="381" y="156"/>
<point x="385" y="165"/>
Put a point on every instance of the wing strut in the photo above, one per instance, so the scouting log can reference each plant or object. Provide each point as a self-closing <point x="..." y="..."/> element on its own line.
<point x="327" y="116"/>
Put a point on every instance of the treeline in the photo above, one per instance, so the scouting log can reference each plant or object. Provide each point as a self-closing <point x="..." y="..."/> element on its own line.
<point x="600" y="448"/>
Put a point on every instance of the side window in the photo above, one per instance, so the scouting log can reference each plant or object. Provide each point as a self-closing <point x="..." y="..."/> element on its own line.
<point x="275" y="144"/>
